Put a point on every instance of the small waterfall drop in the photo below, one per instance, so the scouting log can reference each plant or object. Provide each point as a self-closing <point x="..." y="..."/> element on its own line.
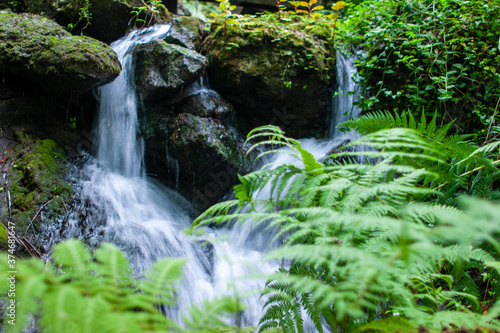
<point x="119" y="148"/>
<point x="343" y="105"/>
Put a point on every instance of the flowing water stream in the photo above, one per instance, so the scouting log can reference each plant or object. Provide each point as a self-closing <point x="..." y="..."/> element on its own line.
<point x="147" y="220"/>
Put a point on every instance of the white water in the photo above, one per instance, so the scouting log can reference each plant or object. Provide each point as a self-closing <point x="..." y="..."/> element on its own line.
<point x="347" y="93"/>
<point x="147" y="220"/>
<point x="144" y="219"/>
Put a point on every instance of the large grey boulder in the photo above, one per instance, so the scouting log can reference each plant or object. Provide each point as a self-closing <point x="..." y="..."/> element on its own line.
<point x="273" y="73"/>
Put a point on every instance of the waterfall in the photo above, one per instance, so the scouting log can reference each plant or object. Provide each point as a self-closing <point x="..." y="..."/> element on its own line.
<point x="146" y="220"/>
<point x="347" y="93"/>
<point x="119" y="148"/>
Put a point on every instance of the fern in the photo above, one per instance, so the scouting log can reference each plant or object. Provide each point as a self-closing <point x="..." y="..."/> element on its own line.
<point x="391" y="233"/>
<point x="96" y="292"/>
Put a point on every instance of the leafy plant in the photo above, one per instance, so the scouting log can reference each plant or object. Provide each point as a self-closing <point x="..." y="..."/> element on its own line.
<point x="280" y="8"/>
<point x="225" y="8"/>
<point x="150" y="10"/>
<point x="369" y="241"/>
<point x="84" y="291"/>
<point x="310" y="7"/>
<point x="457" y="166"/>
<point x="429" y="55"/>
<point x="83" y="7"/>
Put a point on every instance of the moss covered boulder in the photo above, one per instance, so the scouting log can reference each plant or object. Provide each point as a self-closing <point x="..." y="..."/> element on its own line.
<point x="163" y="69"/>
<point x="272" y="73"/>
<point x="43" y="52"/>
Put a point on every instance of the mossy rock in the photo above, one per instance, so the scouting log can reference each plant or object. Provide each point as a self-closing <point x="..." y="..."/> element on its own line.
<point x="36" y="182"/>
<point x="41" y="51"/>
<point x="273" y="73"/>
<point x="186" y="31"/>
<point x="163" y="69"/>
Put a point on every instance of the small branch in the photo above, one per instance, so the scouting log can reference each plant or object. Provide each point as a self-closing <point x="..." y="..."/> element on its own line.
<point x="64" y="204"/>
<point x="467" y="173"/>
<point x="38" y="212"/>
<point x="492" y="120"/>
<point x="478" y="168"/>
<point x="29" y="247"/>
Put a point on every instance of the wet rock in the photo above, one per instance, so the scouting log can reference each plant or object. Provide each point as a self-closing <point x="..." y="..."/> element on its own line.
<point x="162" y="69"/>
<point x="206" y="103"/>
<point x="41" y="51"/>
<point x="272" y="74"/>
<point x="186" y="31"/>
<point x="204" y="156"/>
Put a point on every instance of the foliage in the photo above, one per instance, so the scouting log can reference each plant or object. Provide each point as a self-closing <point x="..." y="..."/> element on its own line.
<point x="316" y="12"/>
<point x="434" y="55"/>
<point x="96" y="292"/>
<point x="457" y="166"/>
<point x="150" y="10"/>
<point x="225" y="9"/>
<point x="369" y="241"/>
<point x="84" y="14"/>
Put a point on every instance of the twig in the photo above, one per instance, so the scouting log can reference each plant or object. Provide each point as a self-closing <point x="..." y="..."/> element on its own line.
<point x="31" y="222"/>
<point x="30" y="248"/>
<point x="22" y="241"/>
<point x="467" y="173"/>
<point x="64" y="204"/>
<point x="492" y="119"/>
<point x="478" y="168"/>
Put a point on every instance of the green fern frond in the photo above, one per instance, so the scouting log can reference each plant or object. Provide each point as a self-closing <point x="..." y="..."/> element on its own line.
<point x="208" y="318"/>
<point x="390" y="325"/>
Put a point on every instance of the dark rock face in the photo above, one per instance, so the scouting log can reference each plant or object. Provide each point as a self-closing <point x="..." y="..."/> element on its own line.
<point x="41" y="51"/>
<point x="164" y="69"/>
<point x="110" y="20"/>
<point x="189" y="146"/>
<point x="272" y="74"/>
<point x="206" y="103"/>
<point x="208" y="155"/>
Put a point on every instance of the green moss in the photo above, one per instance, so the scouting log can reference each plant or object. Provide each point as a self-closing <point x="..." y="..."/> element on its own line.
<point x="4" y="237"/>
<point x="35" y="179"/>
<point x="76" y="55"/>
<point x="267" y="46"/>
<point x="41" y="50"/>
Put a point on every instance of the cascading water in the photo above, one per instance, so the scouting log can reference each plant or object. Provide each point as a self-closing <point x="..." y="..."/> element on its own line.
<point x="147" y="220"/>
<point x="144" y="219"/>
<point x="347" y="93"/>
